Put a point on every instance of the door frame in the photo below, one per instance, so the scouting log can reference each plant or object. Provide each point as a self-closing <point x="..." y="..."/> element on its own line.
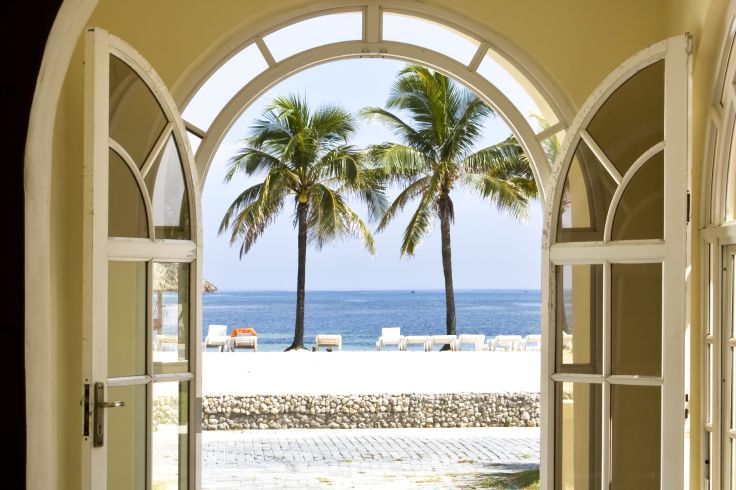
<point x="99" y="249"/>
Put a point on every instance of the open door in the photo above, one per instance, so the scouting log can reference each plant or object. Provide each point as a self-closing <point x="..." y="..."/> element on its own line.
<point x="614" y="283"/>
<point x="142" y="278"/>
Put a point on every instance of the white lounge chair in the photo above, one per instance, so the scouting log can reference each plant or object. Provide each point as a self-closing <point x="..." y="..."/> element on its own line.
<point x="477" y="341"/>
<point x="505" y="342"/>
<point x="244" y="341"/>
<point x="217" y="337"/>
<point x="389" y="336"/>
<point x="532" y="342"/>
<point x="326" y="340"/>
<point x="443" y="340"/>
<point x="423" y="340"/>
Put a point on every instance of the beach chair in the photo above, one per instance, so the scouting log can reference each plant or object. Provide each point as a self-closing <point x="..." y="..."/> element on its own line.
<point x="325" y="340"/>
<point x="217" y="337"/>
<point x="389" y="336"/>
<point x="244" y="341"/>
<point x="443" y="340"/>
<point x="477" y="341"/>
<point x="505" y="342"/>
<point x="423" y="340"/>
<point x="532" y="342"/>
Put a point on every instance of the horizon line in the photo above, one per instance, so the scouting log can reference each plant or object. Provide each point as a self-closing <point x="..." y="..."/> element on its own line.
<point x="374" y="290"/>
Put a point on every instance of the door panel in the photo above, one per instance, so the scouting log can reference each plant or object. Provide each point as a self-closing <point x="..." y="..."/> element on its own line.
<point x="616" y="262"/>
<point x="142" y="261"/>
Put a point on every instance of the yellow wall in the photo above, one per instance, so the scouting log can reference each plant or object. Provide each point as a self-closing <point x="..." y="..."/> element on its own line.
<point x="577" y="41"/>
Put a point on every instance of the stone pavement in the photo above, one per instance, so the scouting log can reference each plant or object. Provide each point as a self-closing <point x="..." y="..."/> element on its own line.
<point x="364" y="458"/>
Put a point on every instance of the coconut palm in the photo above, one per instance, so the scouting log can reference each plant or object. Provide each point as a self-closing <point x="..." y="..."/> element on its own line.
<point x="437" y="154"/>
<point x="309" y="164"/>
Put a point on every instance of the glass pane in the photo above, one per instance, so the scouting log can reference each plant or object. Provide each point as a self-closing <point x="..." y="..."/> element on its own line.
<point x="126" y="215"/>
<point x="126" y="438"/>
<point x="551" y="146"/>
<point x="126" y="318"/>
<point x="168" y="193"/>
<point x="709" y="292"/>
<point x="731" y="414"/>
<point x="635" y="437"/>
<point x="640" y="212"/>
<point x="578" y="436"/>
<point x="492" y="69"/>
<point x="709" y="380"/>
<point x="632" y="119"/>
<point x="136" y="118"/>
<point x="219" y="88"/>
<point x="586" y="197"/>
<point x="579" y="322"/>
<point x="636" y="319"/>
<point x="318" y="31"/>
<point x="170" y="317"/>
<point x="170" y="443"/>
<point x="731" y="183"/>
<point x="431" y="35"/>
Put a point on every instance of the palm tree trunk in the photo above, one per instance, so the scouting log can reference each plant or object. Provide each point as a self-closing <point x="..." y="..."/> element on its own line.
<point x="450" y="319"/>
<point x="301" y="274"/>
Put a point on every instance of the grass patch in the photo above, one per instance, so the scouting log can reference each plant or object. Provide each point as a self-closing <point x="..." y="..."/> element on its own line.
<point x="522" y="480"/>
<point x="431" y="479"/>
<point x="345" y="461"/>
<point x="324" y="480"/>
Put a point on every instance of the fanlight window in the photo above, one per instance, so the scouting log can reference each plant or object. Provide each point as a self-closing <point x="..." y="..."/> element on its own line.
<point x="614" y="184"/>
<point x="314" y="32"/>
<point x="148" y="195"/>
<point x="431" y="35"/>
<point x="530" y="102"/>
<point x="234" y="74"/>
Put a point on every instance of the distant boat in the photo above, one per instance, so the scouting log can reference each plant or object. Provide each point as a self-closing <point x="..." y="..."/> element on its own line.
<point x="413" y="291"/>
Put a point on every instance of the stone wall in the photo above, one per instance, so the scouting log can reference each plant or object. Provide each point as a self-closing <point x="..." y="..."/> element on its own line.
<point x="226" y="412"/>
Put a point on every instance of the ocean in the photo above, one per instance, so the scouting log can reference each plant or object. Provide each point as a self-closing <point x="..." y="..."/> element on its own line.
<point x="359" y="315"/>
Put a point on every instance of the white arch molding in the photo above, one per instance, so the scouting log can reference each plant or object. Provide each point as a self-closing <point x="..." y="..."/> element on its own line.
<point x="69" y="25"/>
<point x="373" y="46"/>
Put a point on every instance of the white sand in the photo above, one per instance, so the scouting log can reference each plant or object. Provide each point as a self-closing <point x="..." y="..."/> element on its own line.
<point x="249" y="373"/>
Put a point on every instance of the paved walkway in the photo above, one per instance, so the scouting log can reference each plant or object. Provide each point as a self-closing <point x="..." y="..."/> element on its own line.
<point x="364" y="458"/>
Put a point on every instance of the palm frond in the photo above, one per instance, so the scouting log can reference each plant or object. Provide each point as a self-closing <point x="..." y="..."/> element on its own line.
<point x="412" y="191"/>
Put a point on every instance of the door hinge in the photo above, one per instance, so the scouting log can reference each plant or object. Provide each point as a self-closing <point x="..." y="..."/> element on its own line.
<point x="687" y="209"/>
<point x="85" y="407"/>
<point x="689" y="43"/>
<point x="687" y="405"/>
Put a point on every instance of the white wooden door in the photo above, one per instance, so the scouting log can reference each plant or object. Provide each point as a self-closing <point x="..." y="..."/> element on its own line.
<point x="142" y="278"/>
<point x="614" y="283"/>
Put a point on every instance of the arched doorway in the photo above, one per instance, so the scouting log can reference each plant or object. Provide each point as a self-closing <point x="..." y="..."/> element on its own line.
<point x="39" y="159"/>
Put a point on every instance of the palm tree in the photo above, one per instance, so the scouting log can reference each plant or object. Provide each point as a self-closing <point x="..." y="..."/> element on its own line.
<point x="437" y="154"/>
<point x="307" y="162"/>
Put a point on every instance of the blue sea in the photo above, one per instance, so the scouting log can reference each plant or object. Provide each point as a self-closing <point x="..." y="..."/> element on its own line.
<point x="359" y="315"/>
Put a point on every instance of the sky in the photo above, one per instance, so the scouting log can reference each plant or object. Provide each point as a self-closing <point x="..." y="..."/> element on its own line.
<point x="490" y="250"/>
